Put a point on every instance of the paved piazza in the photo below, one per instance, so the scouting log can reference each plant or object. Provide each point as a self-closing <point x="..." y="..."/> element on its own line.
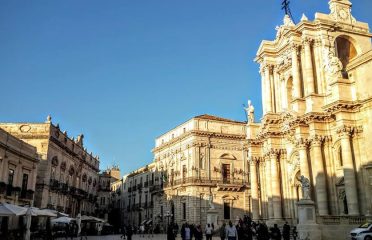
<point x="135" y="237"/>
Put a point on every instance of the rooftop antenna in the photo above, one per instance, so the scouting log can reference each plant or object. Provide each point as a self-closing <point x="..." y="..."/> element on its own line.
<point x="287" y="10"/>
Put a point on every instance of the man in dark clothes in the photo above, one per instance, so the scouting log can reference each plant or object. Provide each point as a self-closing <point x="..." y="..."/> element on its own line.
<point x="275" y="233"/>
<point x="170" y="232"/>
<point x="286" y="231"/>
<point x="129" y="232"/>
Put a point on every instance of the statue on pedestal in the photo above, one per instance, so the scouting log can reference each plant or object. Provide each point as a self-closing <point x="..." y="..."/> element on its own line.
<point x="305" y="183"/>
<point x="210" y="202"/>
<point x="250" y="112"/>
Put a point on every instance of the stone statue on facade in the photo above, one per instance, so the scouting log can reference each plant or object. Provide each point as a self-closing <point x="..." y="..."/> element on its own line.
<point x="332" y="64"/>
<point x="250" y="112"/>
<point x="305" y="183"/>
<point x="210" y="201"/>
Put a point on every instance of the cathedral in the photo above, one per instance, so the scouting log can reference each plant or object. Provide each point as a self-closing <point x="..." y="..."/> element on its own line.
<point x="317" y="111"/>
<point x="311" y="144"/>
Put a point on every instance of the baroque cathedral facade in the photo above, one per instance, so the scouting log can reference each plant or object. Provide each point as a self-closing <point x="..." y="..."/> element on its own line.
<point x="317" y="111"/>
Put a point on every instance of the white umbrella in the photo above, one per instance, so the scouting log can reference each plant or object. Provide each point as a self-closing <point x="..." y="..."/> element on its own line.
<point x="78" y="222"/>
<point x="44" y="212"/>
<point x="11" y="210"/>
<point x="61" y="220"/>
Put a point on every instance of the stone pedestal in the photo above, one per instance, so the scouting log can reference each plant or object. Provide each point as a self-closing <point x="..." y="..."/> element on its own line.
<point x="307" y="227"/>
<point x="212" y="217"/>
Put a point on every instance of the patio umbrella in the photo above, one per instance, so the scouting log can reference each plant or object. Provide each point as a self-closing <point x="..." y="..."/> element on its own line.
<point x="78" y="222"/>
<point x="44" y="212"/>
<point x="7" y="210"/>
<point x="62" y="220"/>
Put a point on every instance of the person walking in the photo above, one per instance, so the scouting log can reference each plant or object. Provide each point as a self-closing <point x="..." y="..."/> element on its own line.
<point x="294" y="233"/>
<point x="231" y="232"/>
<point x="275" y="233"/>
<point x="286" y="231"/>
<point x="186" y="232"/>
<point x="208" y="232"/>
<point x="170" y="232"/>
<point x="129" y="232"/>
<point x="223" y="231"/>
<point x="198" y="233"/>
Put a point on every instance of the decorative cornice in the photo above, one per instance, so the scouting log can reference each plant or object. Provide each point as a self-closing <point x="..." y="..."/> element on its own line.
<point x="338" y="106"/>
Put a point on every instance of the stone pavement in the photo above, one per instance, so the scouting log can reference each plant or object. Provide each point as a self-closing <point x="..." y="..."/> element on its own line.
<point x="135" y="237"/>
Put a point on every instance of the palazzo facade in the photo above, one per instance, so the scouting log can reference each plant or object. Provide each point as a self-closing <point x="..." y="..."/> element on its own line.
<point x="203" y="164"/>
<point x="317" y="105"/>
<point x="67" y="175"/>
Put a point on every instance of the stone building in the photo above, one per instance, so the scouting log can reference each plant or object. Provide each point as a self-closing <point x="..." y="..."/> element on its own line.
<point x="18" y="169"/>
<point x="136" y="197"/>
<point x="204" y="167"/>
<point x="67" y="175"/>
<point x="106" y="178"/>
<point x="317" y="121"/>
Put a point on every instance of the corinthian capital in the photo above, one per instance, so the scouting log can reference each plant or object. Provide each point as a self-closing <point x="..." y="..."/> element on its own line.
<point x="302" y="143"/>
<point x="345" y="131"/>
<point x="317" y="140"/>
<point x="294" y="47"/>
<point x="306" y="40"/>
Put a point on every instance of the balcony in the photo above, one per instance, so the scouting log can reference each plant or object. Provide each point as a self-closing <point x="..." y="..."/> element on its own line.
<point x="54" y="185"/>
<point x="134" y="188"/>
<point x="228" y="184"/>
<point x="156" y="189"/>
<point x="146" y="184"/>
<point x="139" y="187"/>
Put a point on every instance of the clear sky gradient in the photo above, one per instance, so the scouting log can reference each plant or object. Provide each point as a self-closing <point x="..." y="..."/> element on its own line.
<point x="125" y="71"/>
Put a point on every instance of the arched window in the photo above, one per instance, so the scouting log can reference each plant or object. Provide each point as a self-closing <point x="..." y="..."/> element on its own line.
<point x="345" y="51"/>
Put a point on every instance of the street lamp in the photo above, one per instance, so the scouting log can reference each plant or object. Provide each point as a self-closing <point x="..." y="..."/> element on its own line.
<point x="168" y="215"/>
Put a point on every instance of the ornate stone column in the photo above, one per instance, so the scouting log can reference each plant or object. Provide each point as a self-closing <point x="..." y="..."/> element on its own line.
<point x="254" y="188"/>
<point x="268" y="187"/>
<point x="263" y="87"/>
<point x="296" y="72"/>
<point x="268" y="97"/>
<point x="304" y="164"/>
<point x="309" y="74"/>
<point x="319" y="176"/>
<point x="349" y="171"/>
<point x="275" y="185"/>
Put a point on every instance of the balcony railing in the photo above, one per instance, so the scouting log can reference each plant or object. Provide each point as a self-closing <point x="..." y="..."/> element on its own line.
<point x="156" y="188"/>
<point x="205" y="181"/>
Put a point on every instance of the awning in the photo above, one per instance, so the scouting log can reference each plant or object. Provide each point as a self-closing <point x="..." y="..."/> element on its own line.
<point x="86" y="218"/>
<point x="11" y="210"/>
<point x="42" y="212"/>
<point x="143" y="222"/>
<point x="149" y="222"/>
<point x="62" y="220"/>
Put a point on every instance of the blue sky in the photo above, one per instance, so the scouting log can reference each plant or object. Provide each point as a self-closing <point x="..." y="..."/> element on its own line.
<point x="125" y="71"/>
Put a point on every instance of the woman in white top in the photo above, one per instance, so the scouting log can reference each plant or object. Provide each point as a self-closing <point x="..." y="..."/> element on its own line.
<point x="231" y="232"/>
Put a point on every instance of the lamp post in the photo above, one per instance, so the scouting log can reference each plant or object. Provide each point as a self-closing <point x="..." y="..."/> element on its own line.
<point x="168" y="215"/>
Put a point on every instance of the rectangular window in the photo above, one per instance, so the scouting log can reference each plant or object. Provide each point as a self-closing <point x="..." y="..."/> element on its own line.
<point x="10" y="182"/>
<point x="226" y="173"/>
<point x="161" y="211"/>
<point x="24" y="185"/>
<point x="226" y="210"/>
<point x="184" y="171"/>
<point x="184" y="211"/>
